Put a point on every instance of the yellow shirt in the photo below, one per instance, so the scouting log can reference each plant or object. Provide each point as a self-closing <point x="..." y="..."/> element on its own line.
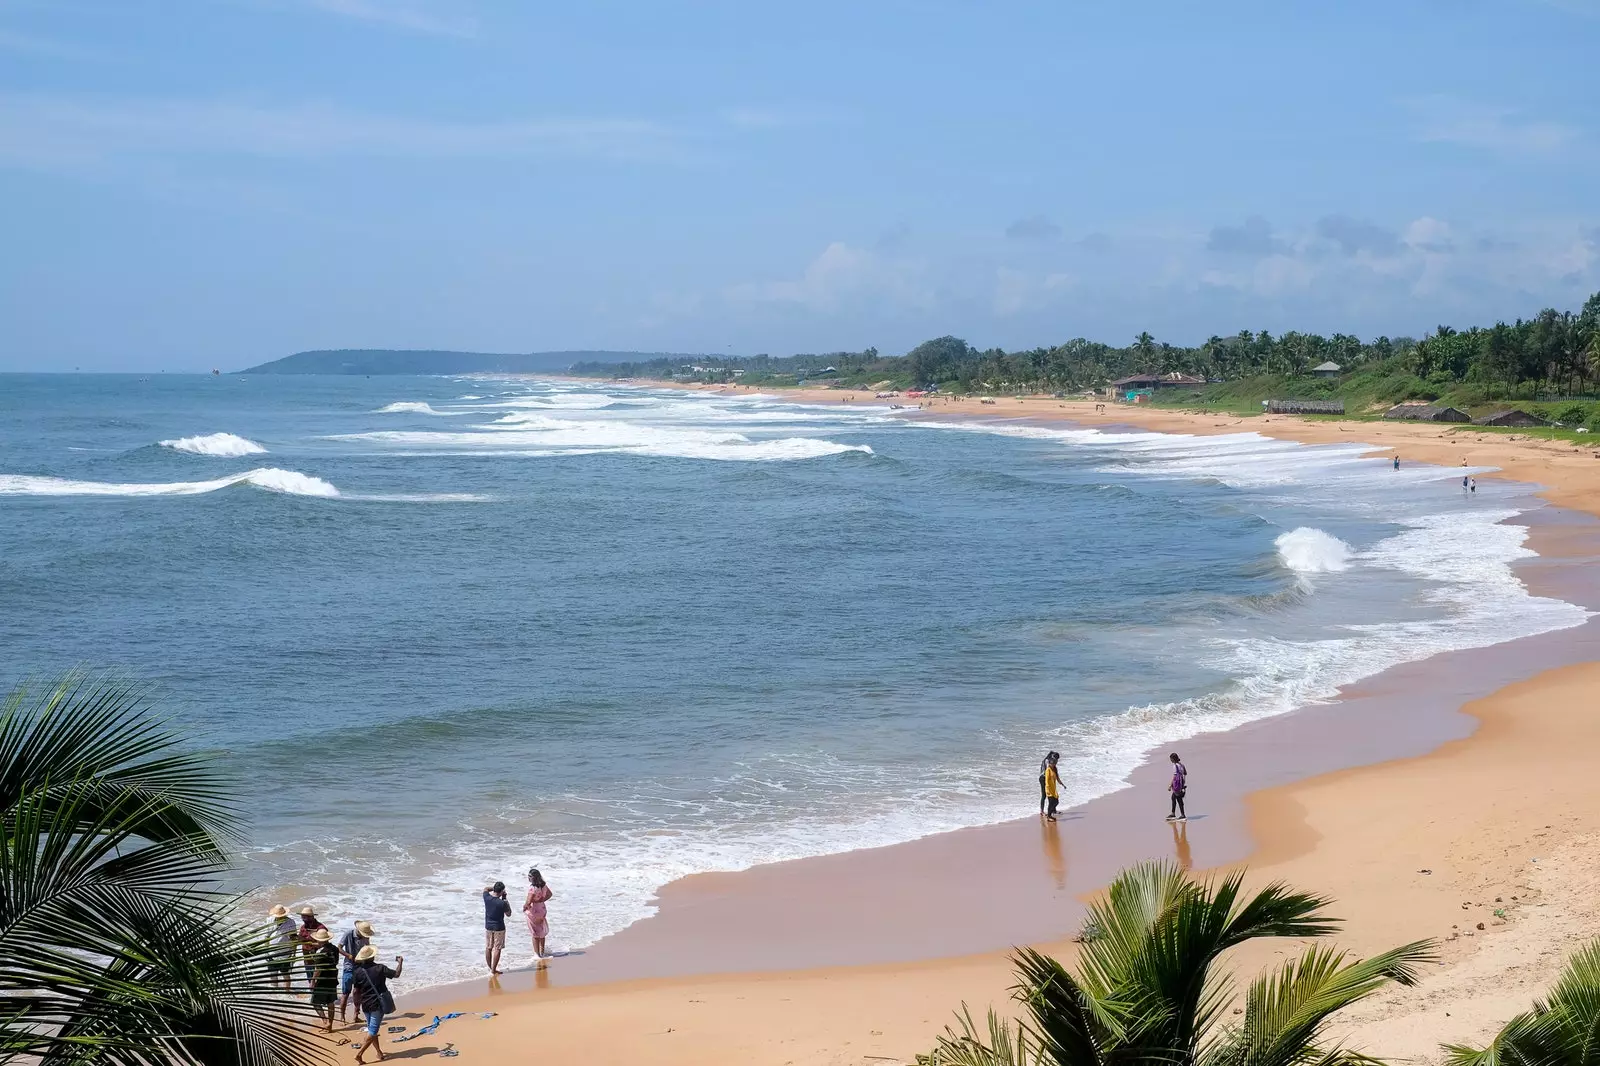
<point x="1052" y="783"/>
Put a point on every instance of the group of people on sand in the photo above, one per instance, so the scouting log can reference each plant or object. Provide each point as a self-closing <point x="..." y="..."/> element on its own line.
<point x="346" y="969"/>
<point x="1050" y="787"/>
<point x="337" y="971"/>
<point x="497" y="908"/>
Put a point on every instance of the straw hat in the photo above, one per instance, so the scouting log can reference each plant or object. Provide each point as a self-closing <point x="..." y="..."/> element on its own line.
<point x="322" y="936"/>
<point x="367" y="954"/>
<point x="308" y="912"/>
<point x="364" y="928"/>
<point x="280" y="911"/>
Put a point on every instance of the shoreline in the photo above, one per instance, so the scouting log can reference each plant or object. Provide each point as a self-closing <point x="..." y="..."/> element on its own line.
<point x="719" y="931"/>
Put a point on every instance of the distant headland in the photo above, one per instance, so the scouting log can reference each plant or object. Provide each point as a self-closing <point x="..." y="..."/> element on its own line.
<point x="408" y="361"/>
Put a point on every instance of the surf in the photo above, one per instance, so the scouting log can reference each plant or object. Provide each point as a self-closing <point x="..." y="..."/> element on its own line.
<point x="222" y="445"/>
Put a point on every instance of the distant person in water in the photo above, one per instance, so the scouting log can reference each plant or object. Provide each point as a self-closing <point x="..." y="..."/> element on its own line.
<point x="533" y="908"/>
<point x="1179" y="787"/>
<point x="495" y="909"/>
<point x="1474" y="485"/>
<point x="1464" y="481"/>
<point x="1052" y="786"/>
<point x="1397" y="462"/>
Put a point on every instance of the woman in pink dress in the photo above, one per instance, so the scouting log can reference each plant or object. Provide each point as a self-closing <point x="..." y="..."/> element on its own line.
<point x="538" y="895"/>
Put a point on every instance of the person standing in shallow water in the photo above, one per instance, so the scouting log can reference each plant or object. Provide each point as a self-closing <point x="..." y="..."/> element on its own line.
<point x="1052" y="786"/>
<point x="495" y="909"/>
<point x="538" y="925"/>
<point x="1179" y="787"/>
<point x="1044" y="766"/>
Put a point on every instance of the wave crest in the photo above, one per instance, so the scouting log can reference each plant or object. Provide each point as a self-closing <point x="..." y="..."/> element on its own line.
<point x="1311" y="551"/>
<point x="407" y="407"/>
<point x="271" y="478"/>
<point x="222" y="445"/>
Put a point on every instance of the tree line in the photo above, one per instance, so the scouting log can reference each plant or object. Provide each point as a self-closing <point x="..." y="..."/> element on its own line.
<point x="1554" y="352"/>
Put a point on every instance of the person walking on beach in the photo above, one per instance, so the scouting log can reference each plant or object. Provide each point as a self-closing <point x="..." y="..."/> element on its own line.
<point x="350" y="945"/>
<point x="322" y="967"/>
<point x="1179" y="787"/>
<point x="309" y="927"/>
<point x="283" y="931"/>
<point x="372" y="992"/>
<point x="1052" y="786"/>
<point x="533" y="908"/>
<point x="495" y="909"/>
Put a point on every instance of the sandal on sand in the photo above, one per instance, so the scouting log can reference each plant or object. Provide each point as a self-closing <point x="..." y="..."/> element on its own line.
<point x="396" y="1029"/>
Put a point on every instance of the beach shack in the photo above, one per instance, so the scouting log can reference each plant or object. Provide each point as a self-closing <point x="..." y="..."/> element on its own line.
<point x="1330" y="369"/>
<point x="1134" y="386"/>
<point x="1512" y="417"/>
<point x="1424" y="411"/>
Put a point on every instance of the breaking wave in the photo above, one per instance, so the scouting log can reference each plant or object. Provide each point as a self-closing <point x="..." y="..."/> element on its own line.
<point x="271" y="478"/>
<point x="1311" y="551"/>
<point x="222" y="445"/>
<point x="408" y="407"/>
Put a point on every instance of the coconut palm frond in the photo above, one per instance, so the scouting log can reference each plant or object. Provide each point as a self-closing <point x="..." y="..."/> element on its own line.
<point x="1286" y="1010"/>
<point x="1563" y="1030"/>
<point x="118" y="943"/>
<point x="1002" y="1043"/>
<point x="85" y="732"/>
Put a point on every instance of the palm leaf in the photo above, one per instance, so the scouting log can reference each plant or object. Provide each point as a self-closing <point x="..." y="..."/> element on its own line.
<point x="118" y="944"/>
<point x="1287" y="1010"/>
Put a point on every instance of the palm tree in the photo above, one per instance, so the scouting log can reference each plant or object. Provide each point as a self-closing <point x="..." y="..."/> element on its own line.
<point x="1145" y="992"/>
<point x="118" y="944"/>
<point x="1561" y="1031"/>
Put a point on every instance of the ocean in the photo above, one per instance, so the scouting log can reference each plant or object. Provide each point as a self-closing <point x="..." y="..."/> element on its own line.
<point x="442" y="629"/>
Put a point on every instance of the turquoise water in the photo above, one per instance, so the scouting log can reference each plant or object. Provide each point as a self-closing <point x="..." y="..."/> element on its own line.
<point x="443" y="629"/>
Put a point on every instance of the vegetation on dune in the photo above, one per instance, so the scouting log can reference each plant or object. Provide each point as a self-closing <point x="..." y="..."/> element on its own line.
<point x="118" y="942"/>
<point x="1553" y="354"/>
<point x="1146" y="988"/>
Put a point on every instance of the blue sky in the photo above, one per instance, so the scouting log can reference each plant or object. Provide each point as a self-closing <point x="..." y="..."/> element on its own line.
<point x="196" y="183"/>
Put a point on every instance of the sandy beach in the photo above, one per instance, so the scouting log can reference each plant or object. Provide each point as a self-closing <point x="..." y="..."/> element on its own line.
<point x="1442" y="799"/>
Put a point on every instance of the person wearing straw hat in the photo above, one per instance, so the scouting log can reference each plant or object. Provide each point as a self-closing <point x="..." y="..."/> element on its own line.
<point x="372" y="994"/>
<point x="350" y="946"/>
<point x="324" y="969"/>
<point x="282" y="932"/>
<point x="308" y="948"/>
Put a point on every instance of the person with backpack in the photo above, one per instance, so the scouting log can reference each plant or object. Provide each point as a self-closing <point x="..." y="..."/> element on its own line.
<point x="370" y="982"/>
<point x="1179" y="787"/>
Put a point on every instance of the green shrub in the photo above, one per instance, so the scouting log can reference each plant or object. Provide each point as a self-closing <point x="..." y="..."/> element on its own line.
<point x="1573" y="414"/>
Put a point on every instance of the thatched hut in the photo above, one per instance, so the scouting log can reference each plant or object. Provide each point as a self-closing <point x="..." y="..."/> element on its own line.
<point x="1412" y="411"/>
<point x="1512" y="417"/>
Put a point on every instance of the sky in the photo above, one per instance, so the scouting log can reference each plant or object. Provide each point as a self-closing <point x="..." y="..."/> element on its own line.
<point x="188" y="184"/>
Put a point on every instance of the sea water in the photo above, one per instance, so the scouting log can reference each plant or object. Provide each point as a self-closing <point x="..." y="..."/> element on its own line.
<point x="440" y="630"/>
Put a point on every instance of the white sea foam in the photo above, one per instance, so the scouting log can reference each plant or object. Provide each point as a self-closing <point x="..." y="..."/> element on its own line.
<point x="531" y="434"/>
<point x="409" y="407"/>
<point x="223" y="445"/>
<point x="266" y="477"/>
<point x="1311" y="551"/>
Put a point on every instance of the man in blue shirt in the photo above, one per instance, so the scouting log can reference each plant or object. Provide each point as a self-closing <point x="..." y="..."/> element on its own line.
<point x="495" y="909"/>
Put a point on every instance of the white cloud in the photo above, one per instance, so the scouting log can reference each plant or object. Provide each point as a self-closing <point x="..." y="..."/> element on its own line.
<point x="1448" y="120"/>
<point x="49" y="130"/>
<point x="841" y="275"/>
